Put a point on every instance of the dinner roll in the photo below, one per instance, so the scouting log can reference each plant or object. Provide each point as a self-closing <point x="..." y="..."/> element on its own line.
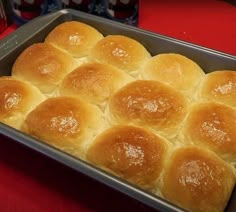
<point x="17" y="99"/>
<point x="64" y="122"/>
<point x="120" y="51"/>
<point x="198" y="180"/>
<point x="220" y="86"/>
<point x="94" y="82"/>
<point x="149" y="103"/>
<point x="132" y="153"/>
<point x="175" y="70"/>
<point x="74" y="37"/>
<point x="43" y="65"/>
<point x="212" y="125"/>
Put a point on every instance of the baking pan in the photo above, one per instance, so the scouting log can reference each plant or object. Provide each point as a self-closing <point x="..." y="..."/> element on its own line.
<point x="36" y="30"/>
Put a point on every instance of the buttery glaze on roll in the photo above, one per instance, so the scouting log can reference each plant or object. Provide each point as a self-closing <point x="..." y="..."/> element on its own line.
<point x="212" y="125"/>
<point x="44" y="66"/>
<point x="132" y="153"/>
<point x="220" y="86"/>
<point x="120" y="51"/>
<point x="198" y="180"/>
<point x="74" y="37"/>
<point x="94" y="82"/>
<point x="17" y="99"/>
<point x="64" y="122"/>
<point x="175" y="70"/>
<point x="149" y="103"/>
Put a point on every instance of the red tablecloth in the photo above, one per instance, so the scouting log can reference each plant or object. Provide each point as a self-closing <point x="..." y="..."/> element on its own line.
<point x="32" y="182"/>
<point x="210" y="23"/>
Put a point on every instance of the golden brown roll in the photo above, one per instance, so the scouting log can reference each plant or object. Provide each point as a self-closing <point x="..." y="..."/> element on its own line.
<point x="198" y="180"/>
<point x="220" y="86"/>
<point x="120" y="51"/>
<point x="64" y="122"/>
<point x="44" y="66"/>
<point x="212" y="125"/>
<point x="94" y="82"/>
<point x="175" y="70"/>
<point x="149" y="103"/>
<point x="74" y="37"/>
<point x="17" y="99"/>
<point x="132" y="153"/>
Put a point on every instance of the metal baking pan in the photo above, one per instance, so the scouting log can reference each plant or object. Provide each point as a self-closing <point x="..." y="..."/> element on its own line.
<point x="36" y="30"/>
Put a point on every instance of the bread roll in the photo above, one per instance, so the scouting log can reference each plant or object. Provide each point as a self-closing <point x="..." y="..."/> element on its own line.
<point x="44" y="66"/>
<point x="17" y="99"/>
<point x="132" y="153"/>
<point x="175" y="70"/>
<point x="64" y="122"/>
<point x="94" y="82"/>
<point x="212" y="125"/>
<point x="198" y="180"/>
<point x="149" y="103"/>
<point x="220" y="86"/>
<point x="74" y="37"/>
<point x="120" y="51"/>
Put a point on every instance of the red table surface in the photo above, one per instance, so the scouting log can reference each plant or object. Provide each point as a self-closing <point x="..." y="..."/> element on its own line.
<point x="31" y="182"/>
<point x="209" y="23"/>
